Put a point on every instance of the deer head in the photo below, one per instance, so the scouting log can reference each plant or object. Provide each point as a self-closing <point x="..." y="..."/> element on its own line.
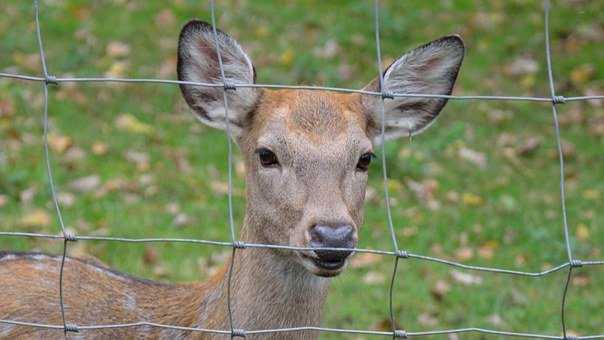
<point x="307" y="153"/>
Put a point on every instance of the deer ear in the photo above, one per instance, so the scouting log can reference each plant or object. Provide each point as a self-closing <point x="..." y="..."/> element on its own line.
<point x="198" y="62"/>
<point x="428" y="69"/>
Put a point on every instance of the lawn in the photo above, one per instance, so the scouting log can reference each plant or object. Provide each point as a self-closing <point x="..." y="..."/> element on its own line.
<point x="480" y="187"/>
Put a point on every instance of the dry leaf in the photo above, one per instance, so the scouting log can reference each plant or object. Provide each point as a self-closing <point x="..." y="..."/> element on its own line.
<point x="522" y="66"/>
<point x="471" y="199"/>
<point x="150" y="255"/>
<point x="529" y="146"/>
<point x="373" y="278"/>
<point x="477" y="158"/>
<point x="141" y="159"/>
<point x="27" y="195"/>
<point x="181" y="219"/>
<point x="117" y="69"/>
<point x="487" y="250"/>
<point x="466" y="278"/>
<point x="117" y="49"/>
<point x="591" y="194"/>
<point x="164" y="18"/>
<point x="59" y="143"/>
<point x="66" y="199"/>
<point x="582" y="74"/>
<point x="582" y="232"/>
<point x="464" y="253"/>
<point x="85" y="184"/>
<point x="130" y="123"/>
<point x="99" y="148"/>
<point x="3" y="200"/>
<point x="495" y="320"/>
<point x="74" y="154"/>
<point x="440" y="289"/>
<point x="36" y="218"/>
<point x="287" y="57"/>
<point x="581" y="280"/>
<point x="427" y="319"/>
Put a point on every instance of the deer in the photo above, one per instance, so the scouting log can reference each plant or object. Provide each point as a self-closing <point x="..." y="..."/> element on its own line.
<point x="307" y="156"/>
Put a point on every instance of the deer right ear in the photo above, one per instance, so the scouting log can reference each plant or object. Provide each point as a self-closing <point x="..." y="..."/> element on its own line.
<point x="198" y="62"/>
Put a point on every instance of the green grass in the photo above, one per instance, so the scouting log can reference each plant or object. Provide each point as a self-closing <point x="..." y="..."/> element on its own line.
<point x="505" y="214"/>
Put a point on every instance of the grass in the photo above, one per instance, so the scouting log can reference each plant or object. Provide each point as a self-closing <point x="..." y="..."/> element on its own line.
<point x="162" y="175"/>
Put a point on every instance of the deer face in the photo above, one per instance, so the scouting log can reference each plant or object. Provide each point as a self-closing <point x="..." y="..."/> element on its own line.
<point x="307" y="153"/>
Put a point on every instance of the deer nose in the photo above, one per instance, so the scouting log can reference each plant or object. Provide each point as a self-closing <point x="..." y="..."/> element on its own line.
<point x="323" y="236"/>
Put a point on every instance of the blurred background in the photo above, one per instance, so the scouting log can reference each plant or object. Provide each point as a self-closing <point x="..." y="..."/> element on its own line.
<point x="479" y="187"/>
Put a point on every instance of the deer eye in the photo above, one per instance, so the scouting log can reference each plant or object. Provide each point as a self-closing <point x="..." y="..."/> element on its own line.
<point x="267" y="158"/>
<point x="364" y="161"/>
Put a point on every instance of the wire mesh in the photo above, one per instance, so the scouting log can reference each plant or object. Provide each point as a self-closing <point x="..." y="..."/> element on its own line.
<point x="47" y="79"/>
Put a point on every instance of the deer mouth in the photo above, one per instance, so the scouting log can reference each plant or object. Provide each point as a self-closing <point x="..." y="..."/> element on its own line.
<point x="323" y="268"/>
<point x="329" y="265"/>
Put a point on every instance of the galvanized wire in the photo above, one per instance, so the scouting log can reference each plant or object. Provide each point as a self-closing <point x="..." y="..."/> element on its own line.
<point x="47" y="79"/>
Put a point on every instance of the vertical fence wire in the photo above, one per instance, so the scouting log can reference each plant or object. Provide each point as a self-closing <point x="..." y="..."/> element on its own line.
<point x="48" y="79"/>
<point x="229" y="166"/>
<point x="555" y="101"/>
<point x="67" y="236"/>
<point x="382" y="90"/>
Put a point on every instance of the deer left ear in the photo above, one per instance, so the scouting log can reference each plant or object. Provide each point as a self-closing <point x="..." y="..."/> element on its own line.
<point x="429" y="69"/>
<point x="198" y="62"/>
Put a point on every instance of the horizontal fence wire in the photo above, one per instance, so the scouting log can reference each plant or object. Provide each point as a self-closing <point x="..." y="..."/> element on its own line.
<point x="47" y="79"/>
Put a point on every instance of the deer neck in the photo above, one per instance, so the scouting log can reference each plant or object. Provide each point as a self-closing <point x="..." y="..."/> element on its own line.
<point x="268" y="290"/>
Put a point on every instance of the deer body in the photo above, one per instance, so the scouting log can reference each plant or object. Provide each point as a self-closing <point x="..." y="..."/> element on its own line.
<point x="306" y="155"/>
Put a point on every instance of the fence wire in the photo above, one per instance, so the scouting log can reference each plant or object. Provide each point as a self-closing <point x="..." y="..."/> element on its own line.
<point x="47" y="79"/>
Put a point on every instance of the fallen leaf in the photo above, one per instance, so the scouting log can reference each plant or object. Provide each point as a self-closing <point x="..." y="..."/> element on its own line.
<point x="487" y="250"/>
<point x="495" y="320"/>
<point x="36" y="218"/>
<point x="427" y="319"/>
<point x="287" y="57"/>
<point x="164" y="18"/>
<point x="329" y="50"/>
<point x="591" y="194"/>
<point x="117" y="69"/>
<point x="99" y="148"/>
<point x="27" y="195"/>
<point x="477" y="158"/>
<point x="373" y="278"/>
<point x="529" y="146"/>
<point x="85" y="184"/>
<point x="464" y="253"/>
<point x="150" y="255"/>
<point x="141" y="159"/>
<point x="130" y="123"/>
<point x="466" y="278"/>
<point x="440" y="289"/>
<point x="582" y="74"/>
<point x="172" y="208"/>
<point x="471" y="199"/>
<point x="596" y="126"/>
<point x="522" y="66"/>
<point x="59" y="143"/>
<point x="117" y="49"/>
<point x="74" y="154"/>
<point x="582" y="232"/>
<point x="181" y="219"/>
<point x="66" y="199"/>
<point x="3" y="200"/>
<point x="581" y="280"/>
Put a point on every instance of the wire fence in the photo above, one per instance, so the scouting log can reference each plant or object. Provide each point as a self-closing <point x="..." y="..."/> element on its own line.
<point x="48" y="79"/>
